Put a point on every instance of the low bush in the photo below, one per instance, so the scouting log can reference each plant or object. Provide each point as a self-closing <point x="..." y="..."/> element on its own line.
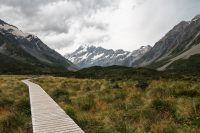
<point x="116" y="86"/>
<point x="92" y="125"/>
<point x="71" y="112"/>
<point x="150" y="115"/>
<point x="120" y="95"/>
<point x="163" y="107"/>
<point x="119" y="105"/>
<point x="170" y="128"/>
<point x="23" y="106"/>
<point x="123" y="127"/>
<point x="10" y="123"/>
<point x="58" y="93"/>
<point x="6" y="102"/>
<point x="86" y="102"/>
<point x="135" y="102"/>
<point x="142" y="84"/>
<point x="14" y="122"/>
<point x="162" y="92"/>
<point x="61" y="95"/>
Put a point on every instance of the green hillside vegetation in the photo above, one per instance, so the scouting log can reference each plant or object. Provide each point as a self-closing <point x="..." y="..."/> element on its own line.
<point x="119" y="73"/>
<point x="15" y="114"/>
<point x="128" y="106"/>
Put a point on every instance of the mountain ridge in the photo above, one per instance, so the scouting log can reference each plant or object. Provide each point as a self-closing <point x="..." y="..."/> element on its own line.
<point x="30" y="51"/>
<point x="89" y="55"/>
<point x="182" y="42"/>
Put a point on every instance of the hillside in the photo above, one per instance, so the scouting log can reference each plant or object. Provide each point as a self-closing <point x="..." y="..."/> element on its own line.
<point x="178" y="50"/>
<point x="23" y="52"/>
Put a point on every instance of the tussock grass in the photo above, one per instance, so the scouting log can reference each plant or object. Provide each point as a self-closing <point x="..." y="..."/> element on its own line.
<point x="124" y="106"/>
<point x="15" y="114"/>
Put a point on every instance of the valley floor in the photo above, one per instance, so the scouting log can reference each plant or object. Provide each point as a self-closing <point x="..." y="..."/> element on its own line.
<point x="107" y="106"/>
<point x="104" y="106"/>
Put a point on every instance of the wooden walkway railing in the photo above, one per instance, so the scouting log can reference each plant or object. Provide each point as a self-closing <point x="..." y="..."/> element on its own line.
<point x="47" y="116"/>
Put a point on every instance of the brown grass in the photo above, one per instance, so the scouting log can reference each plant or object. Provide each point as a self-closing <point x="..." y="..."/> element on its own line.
<point x="101" y="106"/>
<point x="14" y="105"/>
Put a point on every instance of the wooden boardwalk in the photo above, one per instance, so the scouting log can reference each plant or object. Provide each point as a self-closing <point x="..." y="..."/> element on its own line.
<point x="47" y="116"/>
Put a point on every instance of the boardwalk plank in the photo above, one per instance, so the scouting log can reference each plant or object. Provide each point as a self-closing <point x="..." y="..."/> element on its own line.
<point x="47" y="116"/>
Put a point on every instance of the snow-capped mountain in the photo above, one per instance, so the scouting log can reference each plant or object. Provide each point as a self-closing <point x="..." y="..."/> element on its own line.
<point x="87" y="56"/>
<point x="21" y="51"/>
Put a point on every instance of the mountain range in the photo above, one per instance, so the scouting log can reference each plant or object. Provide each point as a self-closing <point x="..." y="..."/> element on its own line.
<point x="23" y="52"/>
<point x="178" y="50"/>
<point x="89" y="55"/>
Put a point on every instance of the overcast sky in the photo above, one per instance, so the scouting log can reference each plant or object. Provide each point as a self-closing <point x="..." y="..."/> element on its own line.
<point x="64" y="25"/>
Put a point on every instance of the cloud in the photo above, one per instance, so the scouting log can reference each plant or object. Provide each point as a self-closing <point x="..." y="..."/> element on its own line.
<point x="58" y="41"/>
<point x="87" y="35"/>
<point x="126" y="24"/>
<point x="28" y="7"/>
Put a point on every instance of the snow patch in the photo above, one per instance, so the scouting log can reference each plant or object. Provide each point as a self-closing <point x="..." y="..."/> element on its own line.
<point x="84" y="56"/>
<point x="97" y="56"/>
<point x="121" y="54"/>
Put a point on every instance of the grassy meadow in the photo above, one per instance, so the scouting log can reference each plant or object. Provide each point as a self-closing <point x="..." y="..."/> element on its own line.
<point x="15" y="114"/>
<point x="126" y="106"/>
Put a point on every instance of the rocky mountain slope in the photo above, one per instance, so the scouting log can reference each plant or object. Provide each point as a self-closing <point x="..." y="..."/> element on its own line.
<point x="23" y="52"/>
<point x="87" y="56"/>
<point x="178" y="46"/>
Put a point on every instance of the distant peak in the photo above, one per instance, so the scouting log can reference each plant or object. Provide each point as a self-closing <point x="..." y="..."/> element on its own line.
<point x="197" y="17"/>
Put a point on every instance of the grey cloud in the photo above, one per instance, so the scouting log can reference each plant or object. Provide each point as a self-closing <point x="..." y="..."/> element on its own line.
<point x="55" y="20"/>
<point x="96" y="4"/>
<point x="31" y="9"/>
<point x="97" y="25"/>
<point x="59" y="40"/>
<point x="58" y="20"/>
<point x="28" y="7"/>
<point x="62" y="43"/>
<point x="99" y="39"/>
<point x="43" y="17"/>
